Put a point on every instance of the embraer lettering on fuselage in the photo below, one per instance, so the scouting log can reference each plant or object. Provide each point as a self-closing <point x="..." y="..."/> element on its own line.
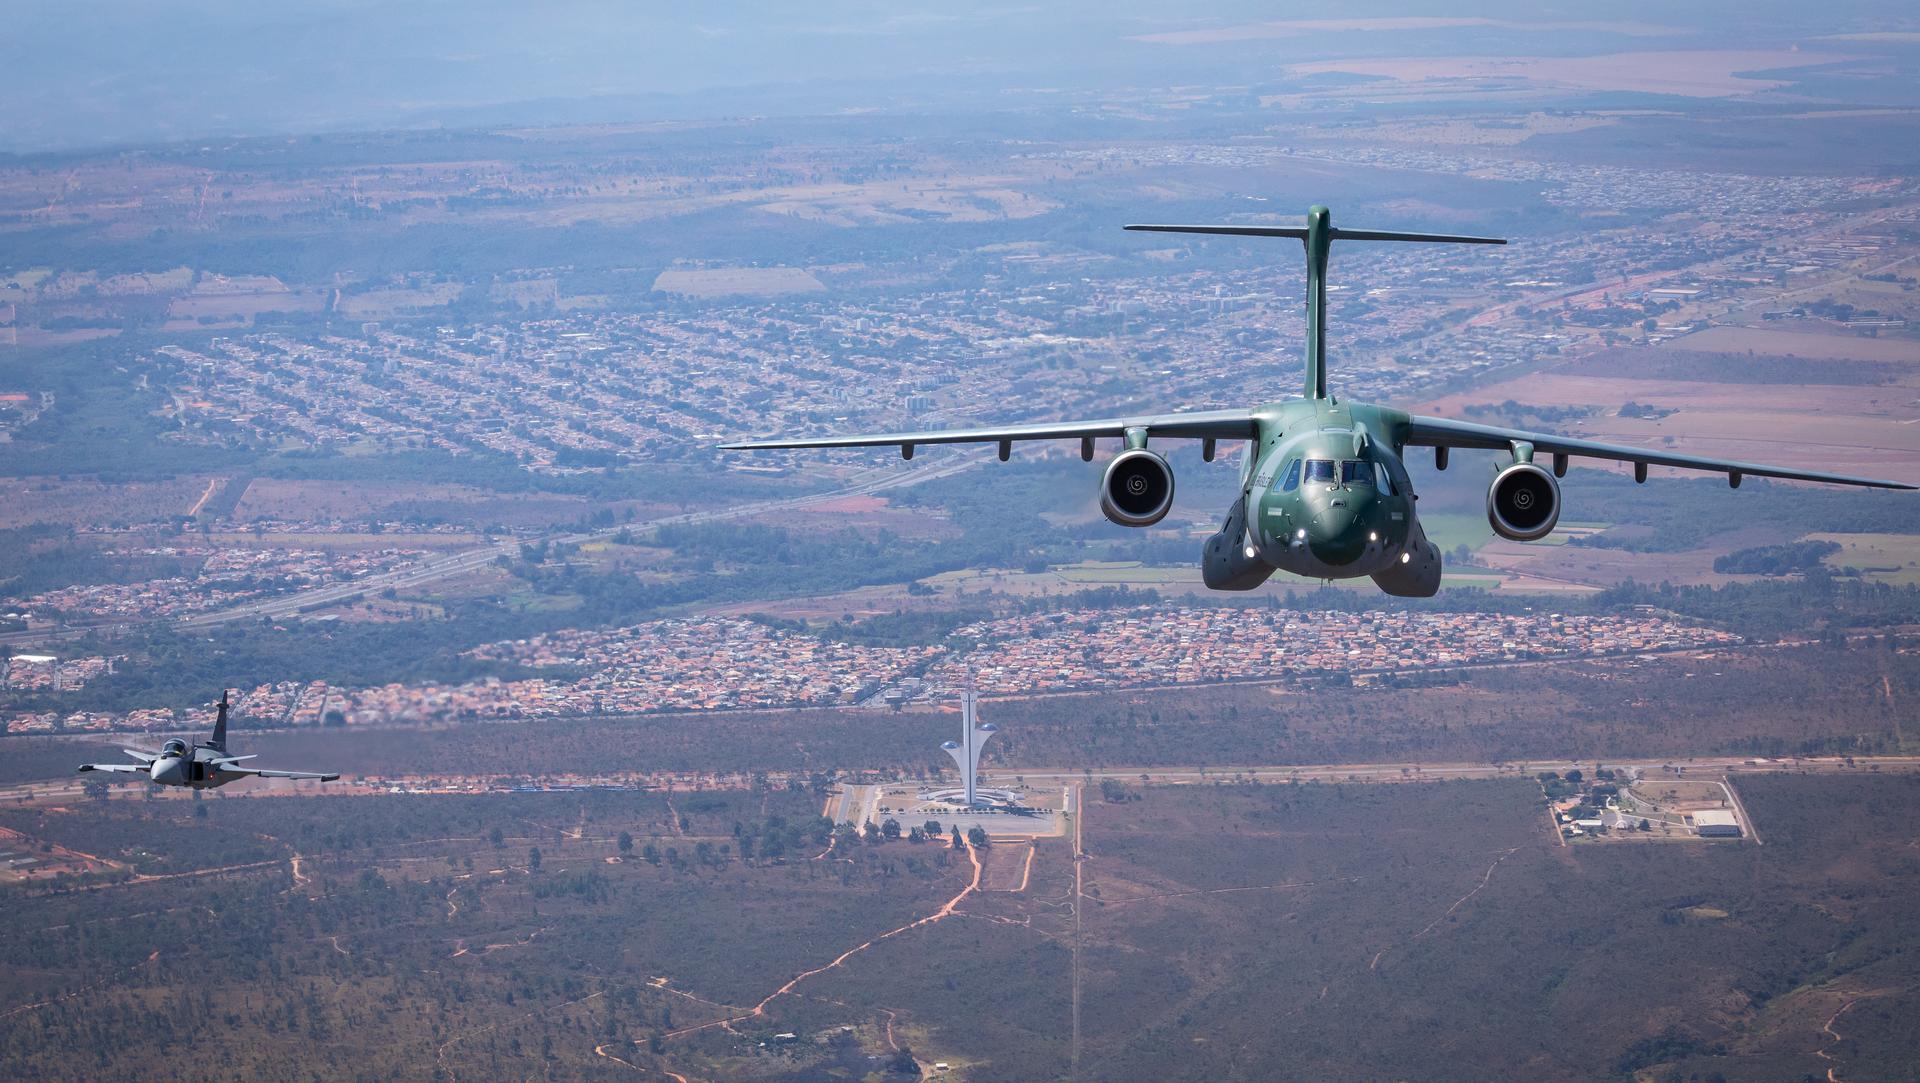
<point x="1324" y="491"/>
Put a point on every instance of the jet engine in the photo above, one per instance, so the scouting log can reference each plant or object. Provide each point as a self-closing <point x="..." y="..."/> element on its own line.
<point x="1523" y="504"/>
<point x="1137" y="489"/>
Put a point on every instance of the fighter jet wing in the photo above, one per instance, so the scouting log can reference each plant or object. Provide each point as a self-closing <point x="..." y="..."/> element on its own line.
<point x="1440" y="432"/>
<point x="146" y="757"/>
<point x="1199" y="425"/>
<point x="127" y="768"/>
<point x="263" y="773"/>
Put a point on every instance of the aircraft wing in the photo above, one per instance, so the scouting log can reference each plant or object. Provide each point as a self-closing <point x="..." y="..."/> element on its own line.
<point x="1199" y="425"/>
<point x="147" y="757"/>
<point x="125" y="768"/>
<point x="263" y="773"/>
<point x="1440" y="432"/>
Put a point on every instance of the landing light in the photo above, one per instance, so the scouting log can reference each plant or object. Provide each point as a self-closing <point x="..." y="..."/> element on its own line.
<point x="1301" y="533"/>
<point x="1372" y="536"/>
<point x="1251" y="552"/>
<point x="1406" y="558"/>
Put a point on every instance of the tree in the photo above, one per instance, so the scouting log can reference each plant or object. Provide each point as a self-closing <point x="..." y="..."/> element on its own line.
<point x="956" y="836"/>
<point x="933" y="828"/>
<point x="976" y="836"/>
<point x="904" y="1063"/>
<point x="626" y="843"/>
<point x="916" y="835"/>
<point x="95" y="787"/>
<point x="651" y="854"/>
<point x="533" y="858"/>
<point x="498" y="839"/>
<point x="891" y="829"/>
<point x="872" y="833"/>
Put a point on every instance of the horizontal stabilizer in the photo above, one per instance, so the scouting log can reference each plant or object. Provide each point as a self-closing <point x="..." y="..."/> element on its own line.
<point x="1299" y="233"/>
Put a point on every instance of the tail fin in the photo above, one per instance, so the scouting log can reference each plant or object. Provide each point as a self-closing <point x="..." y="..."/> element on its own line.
<point x="1318" y="235"/>
<point x="219" y="738"/>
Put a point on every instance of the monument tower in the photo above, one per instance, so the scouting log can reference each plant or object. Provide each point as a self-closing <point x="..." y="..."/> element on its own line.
<point x="966" y="751"/>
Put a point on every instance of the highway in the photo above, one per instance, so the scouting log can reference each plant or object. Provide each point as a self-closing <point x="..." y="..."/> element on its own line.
<point x="473" y="559"/>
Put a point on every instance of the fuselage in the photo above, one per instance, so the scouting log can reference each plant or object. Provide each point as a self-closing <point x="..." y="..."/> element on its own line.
<point x="191" y="766"/>
<point x="1327" y="494"/>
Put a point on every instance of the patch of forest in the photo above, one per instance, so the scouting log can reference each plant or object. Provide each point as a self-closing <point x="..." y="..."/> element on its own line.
<point x="1432" y="930"/>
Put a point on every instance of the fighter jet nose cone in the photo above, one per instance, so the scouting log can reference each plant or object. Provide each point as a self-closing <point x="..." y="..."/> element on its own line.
<point x="169" y="773"/>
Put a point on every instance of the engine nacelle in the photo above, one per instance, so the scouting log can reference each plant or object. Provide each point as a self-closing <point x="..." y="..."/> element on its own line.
<point x="1523" y="504"/>
<point x="1137" y="489"/>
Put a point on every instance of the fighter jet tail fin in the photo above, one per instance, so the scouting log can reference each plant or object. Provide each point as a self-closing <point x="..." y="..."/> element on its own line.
<point x="219" y="738"/>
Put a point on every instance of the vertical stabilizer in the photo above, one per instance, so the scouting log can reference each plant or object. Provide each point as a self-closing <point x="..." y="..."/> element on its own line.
<point x="219" y="738"/>
<point x="1318" y="240"/>
<point x="1319" y="236"/>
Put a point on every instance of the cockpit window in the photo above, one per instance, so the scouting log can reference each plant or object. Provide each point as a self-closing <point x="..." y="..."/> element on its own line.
<point x="175" y="747"/>
<point x="1356" y="473"/>
<point x="1320" y="470"/>
<point x="1292" y="480"/>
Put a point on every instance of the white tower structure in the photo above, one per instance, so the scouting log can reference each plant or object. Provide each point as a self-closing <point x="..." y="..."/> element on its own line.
<point x="966" y="752"/>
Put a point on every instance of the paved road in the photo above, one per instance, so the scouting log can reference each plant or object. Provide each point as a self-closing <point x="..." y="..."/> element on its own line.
<point x="473" y="559"/>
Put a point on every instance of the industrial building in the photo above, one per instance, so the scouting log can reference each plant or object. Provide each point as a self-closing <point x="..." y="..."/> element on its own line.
<point x="1716" y="824"/>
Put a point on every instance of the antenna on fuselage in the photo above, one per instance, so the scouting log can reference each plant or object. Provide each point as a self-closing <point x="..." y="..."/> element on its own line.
<point x="1318" y="235"/>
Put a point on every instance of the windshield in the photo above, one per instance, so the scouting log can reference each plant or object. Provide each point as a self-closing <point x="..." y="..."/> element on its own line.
<point x="1320" y="470"/>
<point x="174" y="747"/>
<point x="1356" y="473"/>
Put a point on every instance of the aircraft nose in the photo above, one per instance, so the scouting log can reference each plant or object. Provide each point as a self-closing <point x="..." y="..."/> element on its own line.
<point x="170" y="772"/>
<point x="1333" y="539"/>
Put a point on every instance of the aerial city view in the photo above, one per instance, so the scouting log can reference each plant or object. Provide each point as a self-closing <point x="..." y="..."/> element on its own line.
<point x="1084" y="543"/>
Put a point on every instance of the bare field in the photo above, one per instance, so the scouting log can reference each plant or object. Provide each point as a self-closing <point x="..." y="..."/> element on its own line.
<point x="1701" y="74"/>
<point x="1857" y="430"/>
<point x="866" y="514"/>
<point x="1829" y="343"/>
<point x="293" y="500"/>
<point x="89" y="503"/>
<point x="763" y="281"/>
<point x="1881" y="558"/>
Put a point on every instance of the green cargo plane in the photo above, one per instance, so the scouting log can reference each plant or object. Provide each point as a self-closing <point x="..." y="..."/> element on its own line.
<point x="1324" y="489"/>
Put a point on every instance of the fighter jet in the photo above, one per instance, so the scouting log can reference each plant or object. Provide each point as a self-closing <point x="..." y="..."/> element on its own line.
<point x="198" y="767"/>
<point x="1324" y="491"/>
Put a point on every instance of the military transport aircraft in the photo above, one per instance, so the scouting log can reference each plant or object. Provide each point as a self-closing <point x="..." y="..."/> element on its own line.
<point x="199" y="767"/>
<point x="1324" y="491"/>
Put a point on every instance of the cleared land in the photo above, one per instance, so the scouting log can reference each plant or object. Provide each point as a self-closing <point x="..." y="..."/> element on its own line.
<point x="765" y="281"/>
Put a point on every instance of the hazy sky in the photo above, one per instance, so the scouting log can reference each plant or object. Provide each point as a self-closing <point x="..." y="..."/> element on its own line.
<point x="80" y="74"/>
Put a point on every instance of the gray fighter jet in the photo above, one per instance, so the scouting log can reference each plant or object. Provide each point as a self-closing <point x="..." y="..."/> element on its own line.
<point x="198" y="767"/>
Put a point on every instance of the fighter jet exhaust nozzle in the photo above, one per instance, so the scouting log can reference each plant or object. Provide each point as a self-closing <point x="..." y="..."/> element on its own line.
<point x="1137" y="489"/>
<point x="1523" y="504"/>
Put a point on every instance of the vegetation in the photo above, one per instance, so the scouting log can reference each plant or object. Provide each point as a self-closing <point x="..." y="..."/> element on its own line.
<point x="1775" y="559"/>
<point x="1432" y="930"/>
<point x="1684" y="512"/>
